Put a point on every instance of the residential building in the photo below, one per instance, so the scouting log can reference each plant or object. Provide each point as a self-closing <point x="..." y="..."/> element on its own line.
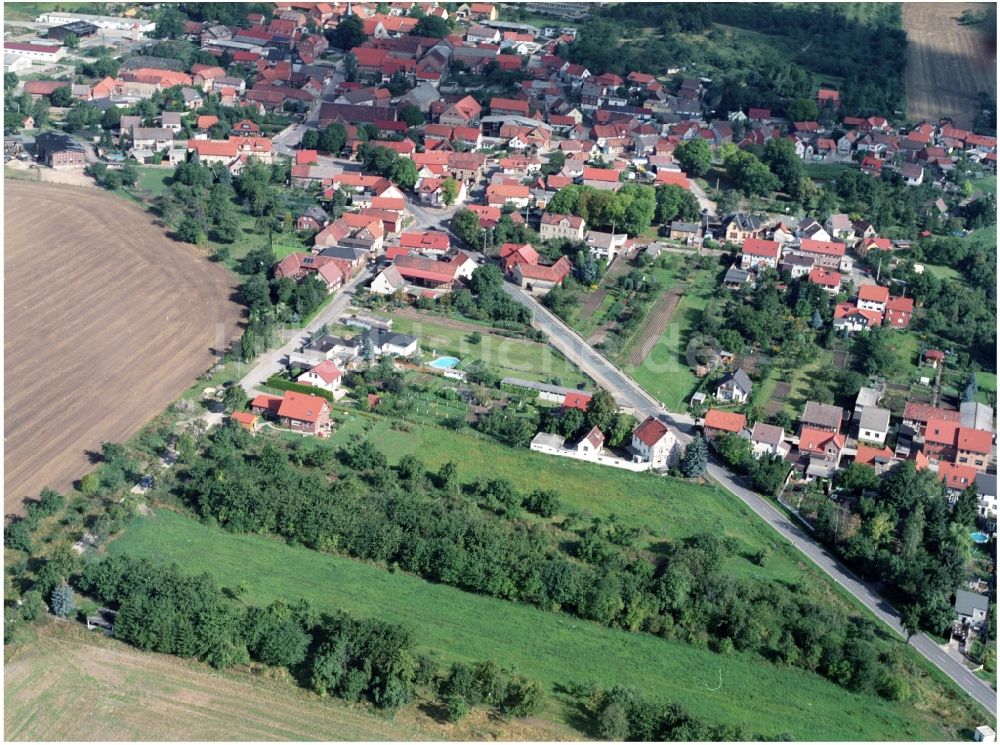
<point x="758" y="253"/>
<point x="569" y="227"/>
<point x="916" y="416"/>
<point x="767" y="439"/>
<point x="740" y="226"/>
<point x="873" y="297"/>
<point x="718" y="423"/>
<point x="823" y="417"/>
<point x="325" y="375"/>
<point x="971" y="608"/>
<point x="654" y="443"/>
<point x="605" y="246"/>
<point x="898" y="311"/>
<point x="305" y="413"/>
<point x="874" y="425"/>
<point x="735" y="387"/>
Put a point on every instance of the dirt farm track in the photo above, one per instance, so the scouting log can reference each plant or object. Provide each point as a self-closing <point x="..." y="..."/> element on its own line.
<point x="107" y="320"/>
<point x="947" y="64"/>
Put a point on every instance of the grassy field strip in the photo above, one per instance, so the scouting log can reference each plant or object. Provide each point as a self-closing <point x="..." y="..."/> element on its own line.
<point x="106" y="690"/>
<point x="553" y="648"/>
<point x="665" y="372"/>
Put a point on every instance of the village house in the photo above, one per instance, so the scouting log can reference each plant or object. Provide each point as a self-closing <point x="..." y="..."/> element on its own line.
<point x="734" y="387"/>
<point x="741" y="227"/>
<point x="561" y="226"/>
<point x="654" y="443"/>
<point x="305" y="413"/>
<point x="823" y="417"/>
<point x="873" y="425"/>
<point x="718" y="423"/>
<point x="826" y="279"/>
<point x="767" y="439"/>
<point x="325" y="375"/>
<point x="605" y="246"/>
<point x="759" y="253"/>
<point x="824" y="450"/>
<point x="873" y="297"/>
<point x="601" y="178"/>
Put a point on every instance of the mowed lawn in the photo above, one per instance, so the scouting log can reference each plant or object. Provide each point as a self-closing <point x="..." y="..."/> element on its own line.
<point x="553" y="648"/>
<point x="510" y="357"/>
<point x="155" y="180"/>
<point x="665" y="373"/>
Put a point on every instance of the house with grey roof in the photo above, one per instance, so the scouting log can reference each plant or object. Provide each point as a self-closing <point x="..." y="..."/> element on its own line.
<point x="874" y="425"/>
<point x="866" y="397"/>
<point x="735" y="387"/>
<point x="735" y="278"/>
<point x="986" y="485"/>
<point x="768" y="439"/>
<point x="422" y="96"/>
<point x="971" y="608"/>
<point x="822" y="416"/>
<point x="976" y="415"/>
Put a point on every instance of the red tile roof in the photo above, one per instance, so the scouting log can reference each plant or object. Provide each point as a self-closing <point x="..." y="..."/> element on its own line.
<point x="760" y="247"/>
<point x="957" y="477"/>
<point x="975" y="440"/>
<point x="552" y="218"/>
<point x="326" y="370"/>
<point x="866" y="454"/>
<point x="815" y="440"/>
<point x="302" y="407"/>
<point x="828" y="248"/>
<point x="265" y="401"/>
<point x="873" y="293"/>
<point x="600" y="174"/>
<point x="941" y="432"/>
<point x="824" y="277"/>
<point x="576" y="400"/>
<point x="728" y="421"/>
<point x="430" y="239"/>
<point x="915" y="411"/>
<point x="651" y="431"/>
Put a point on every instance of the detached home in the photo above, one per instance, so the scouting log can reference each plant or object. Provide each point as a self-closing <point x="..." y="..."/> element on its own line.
<point x="736" y="387"/>
<point x="654" y="443"/>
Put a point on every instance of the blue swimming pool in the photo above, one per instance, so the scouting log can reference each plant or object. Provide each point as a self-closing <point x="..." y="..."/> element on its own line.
<point x="445" y="363"/>
<point x="979" y="537"/>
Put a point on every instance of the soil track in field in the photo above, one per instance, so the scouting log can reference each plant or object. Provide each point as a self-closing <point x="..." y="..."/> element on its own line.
<point x="107" y="322"/>
<point x="947" y="64"/>
<point x="655" y="324"/>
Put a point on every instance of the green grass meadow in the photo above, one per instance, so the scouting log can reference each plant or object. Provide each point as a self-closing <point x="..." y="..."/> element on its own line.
<point x="553" y="648"/>
<point x="510" y="357"/>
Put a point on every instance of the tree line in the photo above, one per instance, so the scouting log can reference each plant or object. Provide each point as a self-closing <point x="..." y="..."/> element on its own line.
<point x="472" y="536"/>
<point x="161" y="609"/>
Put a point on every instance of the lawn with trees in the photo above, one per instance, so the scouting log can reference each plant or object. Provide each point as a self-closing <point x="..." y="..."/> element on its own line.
<point x="458" y="627"/>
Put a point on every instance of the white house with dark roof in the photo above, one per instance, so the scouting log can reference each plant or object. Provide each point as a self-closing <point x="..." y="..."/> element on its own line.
<point x="736" y="387"/>
<point x="767" y="439"/>
<point x="971" y="608"/>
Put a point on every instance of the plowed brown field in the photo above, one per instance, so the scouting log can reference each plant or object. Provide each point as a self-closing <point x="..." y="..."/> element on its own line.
<point x="107" y="321"/>
<point x="947" y="64"/>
